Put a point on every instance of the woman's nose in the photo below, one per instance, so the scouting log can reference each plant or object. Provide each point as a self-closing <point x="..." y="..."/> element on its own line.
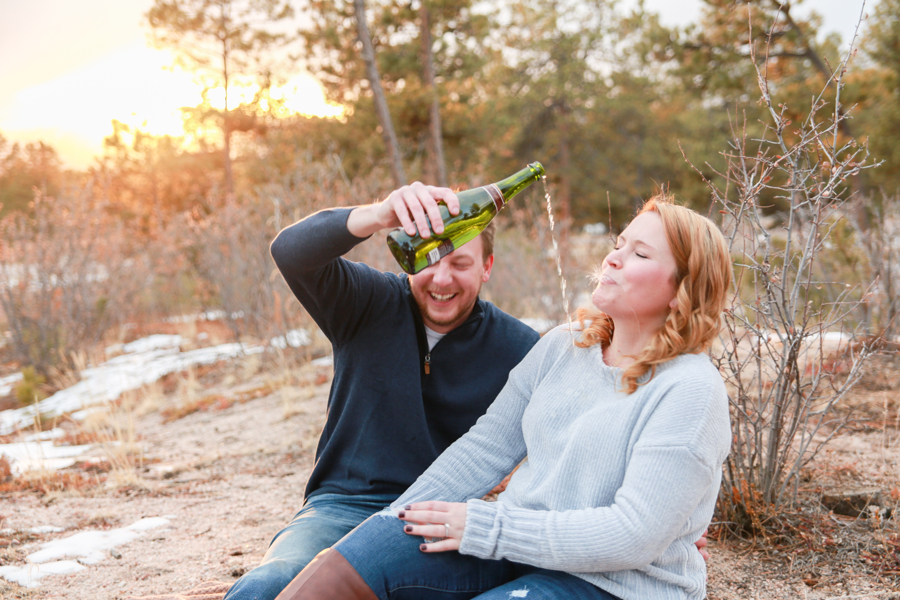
<point x="613" y="259"/>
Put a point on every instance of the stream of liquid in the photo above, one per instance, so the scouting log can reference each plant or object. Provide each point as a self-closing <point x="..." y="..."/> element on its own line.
<point x="562" y="278"/>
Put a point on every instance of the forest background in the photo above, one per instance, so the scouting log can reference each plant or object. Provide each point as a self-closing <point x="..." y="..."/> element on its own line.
<point x="615" y="105"/>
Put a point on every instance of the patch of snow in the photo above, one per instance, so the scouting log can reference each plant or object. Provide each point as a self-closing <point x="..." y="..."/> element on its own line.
<point x="295" y="338"/>
<point x="46" y="529"/>
<point x="542" y="326"/>
<point x="6" y="383"/>
<point x="85" y="547"/>
<point x="153" y="342"/>
<point x="325" y="361"/>
<point x="835" y="336"/>
<point x="40" y="455"/>
<point x="144" y="361"/>
<point x="38" y="529"/>
<point x="596" y="229"/>
<point x="141" y="362"/>
<point x="29" y="575"/>
<point x="51" y="434"/>
<point x="209" y="315"/>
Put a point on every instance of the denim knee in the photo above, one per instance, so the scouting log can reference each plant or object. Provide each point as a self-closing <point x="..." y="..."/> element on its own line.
<point x="264" y="582"/>
<point x="392" y="565"/>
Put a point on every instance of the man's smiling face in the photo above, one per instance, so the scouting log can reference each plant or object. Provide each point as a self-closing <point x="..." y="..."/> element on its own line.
<point x="446" y="291"/>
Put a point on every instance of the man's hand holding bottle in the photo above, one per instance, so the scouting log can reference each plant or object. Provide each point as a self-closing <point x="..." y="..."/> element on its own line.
<point x="410" y="207"/>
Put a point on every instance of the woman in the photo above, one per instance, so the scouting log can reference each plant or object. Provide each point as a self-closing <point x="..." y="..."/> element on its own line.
<point x="625" y="431"/>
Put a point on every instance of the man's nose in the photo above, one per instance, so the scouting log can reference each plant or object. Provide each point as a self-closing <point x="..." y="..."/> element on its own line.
<point x="442" y="273"/>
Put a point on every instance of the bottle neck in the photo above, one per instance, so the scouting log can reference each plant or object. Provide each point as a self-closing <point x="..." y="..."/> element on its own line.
<point x="496" y="195"/>
<point x="517" y="182"/>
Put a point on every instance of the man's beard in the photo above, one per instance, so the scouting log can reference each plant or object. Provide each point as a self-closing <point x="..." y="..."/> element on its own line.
<point x="421" y="297"/>
<point x="449" y="320"/>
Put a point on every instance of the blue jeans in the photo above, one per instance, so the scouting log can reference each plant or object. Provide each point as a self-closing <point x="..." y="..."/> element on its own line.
<point x="323" y="520"/>
<point x="390" y="562"/>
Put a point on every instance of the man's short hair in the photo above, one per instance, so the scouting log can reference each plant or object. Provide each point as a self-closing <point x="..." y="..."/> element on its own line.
<point x="487" y="239"/>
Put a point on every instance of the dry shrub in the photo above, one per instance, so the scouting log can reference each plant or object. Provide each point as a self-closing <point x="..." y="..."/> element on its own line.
<point x="5" y="469"/>
<point x="879" y="239"/>
<point x="56" y="482"/>
<point x="229" y="247"/>
<point x="790" y="303"/>
<point x="68" y="273"/>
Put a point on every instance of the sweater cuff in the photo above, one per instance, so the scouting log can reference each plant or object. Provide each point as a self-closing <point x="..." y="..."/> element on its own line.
<point x="481" y="532"/>
<point x="342" y="214"/>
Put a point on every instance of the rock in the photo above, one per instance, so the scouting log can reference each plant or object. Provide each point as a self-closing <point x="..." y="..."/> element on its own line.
<point x="860" y="502"/>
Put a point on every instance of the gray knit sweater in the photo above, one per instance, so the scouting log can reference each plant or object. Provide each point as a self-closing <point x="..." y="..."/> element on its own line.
<point x="616" y="488"/>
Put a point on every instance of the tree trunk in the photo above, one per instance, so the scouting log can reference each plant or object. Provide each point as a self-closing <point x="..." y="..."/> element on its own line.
<point x="435" y="130"/>
<point x="226" y="121"/>
<point x="381" y="107"/>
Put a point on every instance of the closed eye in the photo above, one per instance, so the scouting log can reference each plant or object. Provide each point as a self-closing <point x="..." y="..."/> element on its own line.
<point x="636" y="253"/>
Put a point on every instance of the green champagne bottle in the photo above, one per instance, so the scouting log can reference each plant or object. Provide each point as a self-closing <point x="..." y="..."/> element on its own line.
<point x="476" y="209"/>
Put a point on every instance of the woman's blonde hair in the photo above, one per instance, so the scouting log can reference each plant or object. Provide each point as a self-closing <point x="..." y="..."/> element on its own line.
<point x="702" y="277"/>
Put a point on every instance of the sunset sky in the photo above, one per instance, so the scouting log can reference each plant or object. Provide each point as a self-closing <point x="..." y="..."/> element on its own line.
<point x="67" y="68"/>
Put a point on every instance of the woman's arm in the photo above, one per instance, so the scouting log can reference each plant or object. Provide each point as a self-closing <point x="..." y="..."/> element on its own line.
<point x="474" y="464"/>
<point x="660" y="494"/>
<point x="668" y="491"/>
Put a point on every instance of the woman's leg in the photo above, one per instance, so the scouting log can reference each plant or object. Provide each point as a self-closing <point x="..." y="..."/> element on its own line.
<point x="543" y="584"/>
<point x="381" y="561"/>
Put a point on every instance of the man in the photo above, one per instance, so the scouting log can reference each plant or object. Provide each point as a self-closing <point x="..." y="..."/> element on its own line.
<point x="417" y="359"/>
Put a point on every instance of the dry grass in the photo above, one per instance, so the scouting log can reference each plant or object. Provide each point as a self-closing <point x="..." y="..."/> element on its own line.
<point x="213" y="402"/>
<point x="821" y="548"/>
<point x="46" y="483"/>
<point x="113" y="431"/>
<point x="810" y="542"/>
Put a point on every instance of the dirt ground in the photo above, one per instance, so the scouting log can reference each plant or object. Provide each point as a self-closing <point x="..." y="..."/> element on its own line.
<point x="230" y="476"/>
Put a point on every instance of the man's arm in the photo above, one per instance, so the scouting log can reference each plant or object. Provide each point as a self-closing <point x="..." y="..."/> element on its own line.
<point x="334" y="291"/>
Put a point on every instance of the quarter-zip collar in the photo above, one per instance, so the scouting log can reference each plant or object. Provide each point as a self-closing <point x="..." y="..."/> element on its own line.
<point x="474" y="318"/>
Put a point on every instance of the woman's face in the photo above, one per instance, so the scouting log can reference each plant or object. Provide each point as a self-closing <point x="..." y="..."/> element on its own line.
<point x="637" y="279"/>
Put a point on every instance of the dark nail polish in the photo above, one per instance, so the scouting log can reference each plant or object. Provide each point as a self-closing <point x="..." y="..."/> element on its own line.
<point x="423" y="547"/>
<point x="408" y="507"/>
<point x="401" y="514"/>
<point x="408" y="529"/>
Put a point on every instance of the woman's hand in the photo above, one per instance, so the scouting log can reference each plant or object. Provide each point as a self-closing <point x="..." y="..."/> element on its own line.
<point x="701" y="545"/>
<point x="443" y="521"/>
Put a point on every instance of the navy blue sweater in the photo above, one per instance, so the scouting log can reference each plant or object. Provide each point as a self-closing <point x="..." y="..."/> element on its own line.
<point x="387" y="420"/>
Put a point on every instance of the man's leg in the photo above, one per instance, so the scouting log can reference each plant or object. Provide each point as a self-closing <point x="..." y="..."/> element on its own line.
<point x="323" y="520"/>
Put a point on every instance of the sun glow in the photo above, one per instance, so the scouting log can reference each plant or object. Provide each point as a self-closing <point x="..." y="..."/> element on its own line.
<point x="73" y="113"/>
<point x="301" y="95"/>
